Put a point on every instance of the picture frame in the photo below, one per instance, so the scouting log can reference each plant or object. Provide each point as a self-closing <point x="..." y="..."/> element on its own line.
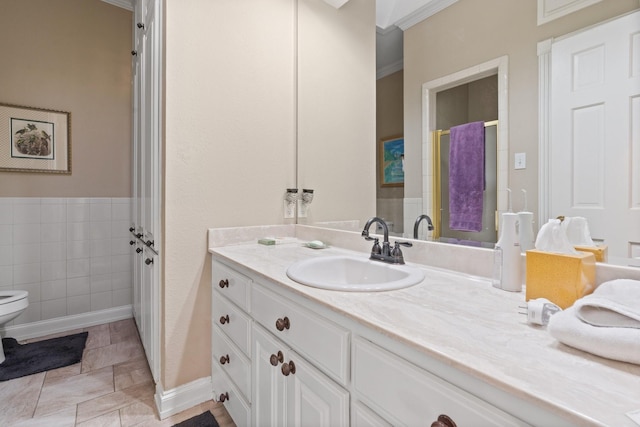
<point x="391" y="161"/>
<point x="34" y="140"/>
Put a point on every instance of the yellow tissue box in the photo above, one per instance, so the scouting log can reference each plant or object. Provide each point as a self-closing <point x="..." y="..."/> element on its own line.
<point x="601" y="252"/>
<point x="560" y="278"/>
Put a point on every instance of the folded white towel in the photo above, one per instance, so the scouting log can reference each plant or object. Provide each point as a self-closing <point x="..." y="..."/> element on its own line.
<point x="612" y="304"/>
<point x="613" y="343"/>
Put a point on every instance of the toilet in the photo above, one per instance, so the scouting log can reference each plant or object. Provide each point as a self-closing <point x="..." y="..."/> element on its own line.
<point x="12" y="304"/>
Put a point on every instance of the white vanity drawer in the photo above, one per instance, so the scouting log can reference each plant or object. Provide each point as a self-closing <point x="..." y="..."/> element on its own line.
<point x="233" y="322"/>
<point x="410" y="396"/>
<point x="231" y="284"/>
<point x="226" y="392"/>
<point x="319" y="340"/>
<point x="231" y="360"/>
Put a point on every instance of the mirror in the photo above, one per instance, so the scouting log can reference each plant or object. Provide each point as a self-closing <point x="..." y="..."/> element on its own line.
<point x="451" y="40"/>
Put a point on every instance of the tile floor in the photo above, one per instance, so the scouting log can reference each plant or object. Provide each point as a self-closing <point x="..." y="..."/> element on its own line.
<point x="112" y="386"/>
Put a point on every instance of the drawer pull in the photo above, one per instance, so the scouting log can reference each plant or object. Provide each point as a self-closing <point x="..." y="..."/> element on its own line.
<point x="224" y="396"/>
<point x="224" y="319"/>
<point x="224" y="283"/>
<point x="275" y="359"/>
<point x="224" y="359"/>
<point x="138" y="250"/>
<point x="289" y="368"/>
<point x="132" y="242"/>
<point x="443" y="421"/>
<point x="283" y="323"/>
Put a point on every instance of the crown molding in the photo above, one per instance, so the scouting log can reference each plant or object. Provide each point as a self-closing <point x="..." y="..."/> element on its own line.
<point x="423" y="13"/>
<point x="125" y="4"/>
<point x="389" y="69"/>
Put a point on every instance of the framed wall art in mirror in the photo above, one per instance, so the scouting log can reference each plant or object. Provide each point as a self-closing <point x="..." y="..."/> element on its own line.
<point x="34" y="140"/>
<point x="391" y="161"/>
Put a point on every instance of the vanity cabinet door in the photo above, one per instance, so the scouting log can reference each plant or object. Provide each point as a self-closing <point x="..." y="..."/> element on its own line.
<point x="232" y="398"/>
<point x="231" y="284"/>
<point x="289" y="391"/>
<point x="227" y="357"/>
<point x="232" y="321"/>
<point x="409" y="396"/>
<point x="318" y="339"/>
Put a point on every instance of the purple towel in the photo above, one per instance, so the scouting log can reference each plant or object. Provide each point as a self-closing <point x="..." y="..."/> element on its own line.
<point x="466" y="176"/>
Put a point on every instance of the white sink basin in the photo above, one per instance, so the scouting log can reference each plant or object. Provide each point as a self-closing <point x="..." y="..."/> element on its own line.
<point x="356" y="274"/>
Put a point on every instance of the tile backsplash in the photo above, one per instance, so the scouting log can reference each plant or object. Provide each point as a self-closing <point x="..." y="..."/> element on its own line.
<point x="71" y="254"/>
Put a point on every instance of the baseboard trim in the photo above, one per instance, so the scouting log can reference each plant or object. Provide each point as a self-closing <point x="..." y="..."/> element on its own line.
<point x="170" y="402"/>
<point x="67" y="323"/>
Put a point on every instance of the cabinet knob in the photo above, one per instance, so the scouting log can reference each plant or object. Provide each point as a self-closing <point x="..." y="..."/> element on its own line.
<point x="139" y="250"/>
<point x="224" y="319"/>
<point x="132" y="242"/>
<point x="132" y="229"/>
<point x="149" y="243"/>
<point x="443" y="421"/>
<point x="134" y="52"/>
<point x="140" y="25"/>
<point x="224" y="359"/>
<point x="283" y="323"/>
<point x="223" y="397"/>
<point x="148" y="261"/>
<point x="275" y="359"/>
<point x="289" y="368"/>
<point x="224" y="283"/>
<point x="139" y="235"/>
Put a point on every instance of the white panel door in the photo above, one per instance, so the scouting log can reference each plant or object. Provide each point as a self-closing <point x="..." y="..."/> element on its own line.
<point x="268" y="404"/>
<point x="312" y="398"/>
<point x="595" y="131"/>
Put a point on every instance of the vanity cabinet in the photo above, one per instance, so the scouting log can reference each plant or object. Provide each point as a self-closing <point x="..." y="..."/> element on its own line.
<point x="280" y="359"/>
<point x="408" y="395"/>
<point x="289" y="391"/>
<point x="231" y="342"/>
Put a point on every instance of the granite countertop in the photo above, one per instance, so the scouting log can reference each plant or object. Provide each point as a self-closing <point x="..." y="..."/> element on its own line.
<point x="468" y="324"/>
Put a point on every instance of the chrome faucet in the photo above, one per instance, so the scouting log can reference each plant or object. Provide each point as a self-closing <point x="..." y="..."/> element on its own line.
<point x="384" y="253"/>
<point x="417" y="224"/>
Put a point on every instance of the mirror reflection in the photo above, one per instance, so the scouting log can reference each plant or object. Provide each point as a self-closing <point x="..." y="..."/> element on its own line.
<point x="439" y="46"/>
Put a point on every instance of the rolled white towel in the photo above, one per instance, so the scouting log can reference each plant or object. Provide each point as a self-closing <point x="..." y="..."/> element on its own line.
<point x="621" y="344"/>
<point x="612" y="304"/>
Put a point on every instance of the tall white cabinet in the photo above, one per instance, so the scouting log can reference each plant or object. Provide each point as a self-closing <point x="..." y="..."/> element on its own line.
<point x="145" y="228"/>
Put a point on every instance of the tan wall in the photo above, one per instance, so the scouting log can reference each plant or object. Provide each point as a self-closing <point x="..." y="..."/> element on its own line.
<point x="457" y="38"/>
<point x="230" y="151"/>
<point x="336" y="109"/>
<point x="74" y="56"/>
<point x="230" y="148"/>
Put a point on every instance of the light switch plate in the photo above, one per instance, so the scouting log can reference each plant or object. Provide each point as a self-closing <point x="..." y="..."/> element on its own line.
<point x="520" y="161"/>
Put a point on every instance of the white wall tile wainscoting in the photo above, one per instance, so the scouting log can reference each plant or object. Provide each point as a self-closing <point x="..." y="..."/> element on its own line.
<point x="73" y="257"/>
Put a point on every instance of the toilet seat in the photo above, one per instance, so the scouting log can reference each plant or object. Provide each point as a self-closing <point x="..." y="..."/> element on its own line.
<point x="7" y="297"/>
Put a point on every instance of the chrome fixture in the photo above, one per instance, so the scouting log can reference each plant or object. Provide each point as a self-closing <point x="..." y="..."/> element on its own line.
<point x="384" y="253"/>
<point x="290" y="202"/>
<point x="417" y="224"/>
<point x="305" y="201"/>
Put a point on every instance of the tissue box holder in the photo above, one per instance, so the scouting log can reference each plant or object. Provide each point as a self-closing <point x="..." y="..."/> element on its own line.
<point x="560" y="278"/>
<point x="601" y="252"/>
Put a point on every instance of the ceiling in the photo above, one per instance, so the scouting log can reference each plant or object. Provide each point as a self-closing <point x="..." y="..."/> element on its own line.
<point x="392" y="18"/>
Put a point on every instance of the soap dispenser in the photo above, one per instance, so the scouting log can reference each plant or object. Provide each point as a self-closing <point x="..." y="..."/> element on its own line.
<point x="506" y="255"/>
<point x="525" y="227"/>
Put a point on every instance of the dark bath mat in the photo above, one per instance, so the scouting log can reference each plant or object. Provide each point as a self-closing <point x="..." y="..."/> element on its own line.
<point x="27" y="359"/>
<point x="205" y="419"/>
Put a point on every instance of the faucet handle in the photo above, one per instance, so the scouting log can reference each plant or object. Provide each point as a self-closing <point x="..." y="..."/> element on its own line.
<point x="406" y="244"/>
<point x="396" y="252"/>
<point x="376" y="249"/>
